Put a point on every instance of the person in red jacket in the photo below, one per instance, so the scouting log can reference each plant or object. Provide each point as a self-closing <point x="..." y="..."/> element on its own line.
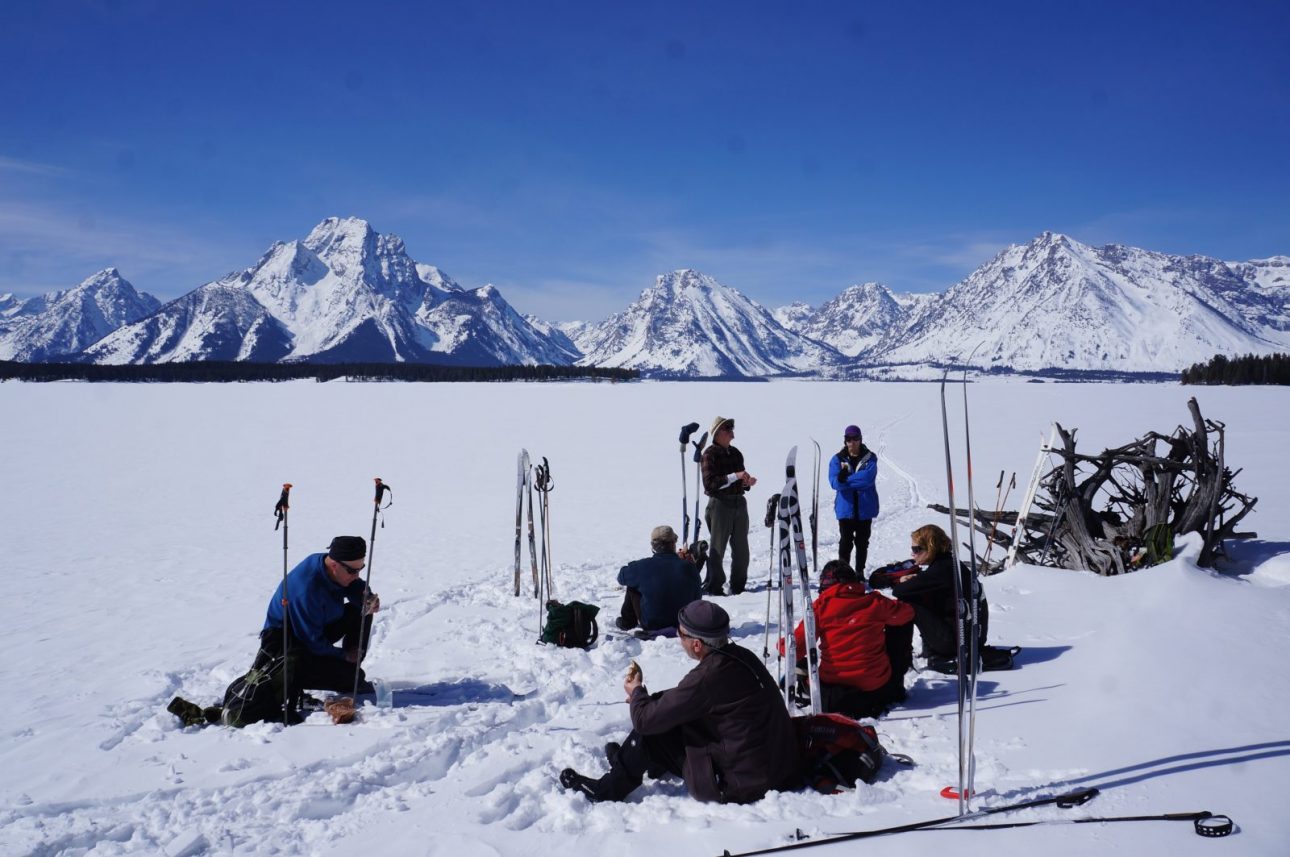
<point x="865" y="644"/>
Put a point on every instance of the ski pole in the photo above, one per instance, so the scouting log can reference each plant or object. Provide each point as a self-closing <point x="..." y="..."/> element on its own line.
<point x="1204" y="822"/>
<point x="1078" y="797"/>
<point x="381" y="488"/>
<point x="974" y="593"/>
<point x="772" y="510"/>
<point x="545" y="485"/>
<point x="815" y="513"/>
<point x="998" y="510"/>
<point x="280" y="512"/>
<point x="686" y="430"/>
<point x="960" y="607"/>
<point x="699" y="446"/>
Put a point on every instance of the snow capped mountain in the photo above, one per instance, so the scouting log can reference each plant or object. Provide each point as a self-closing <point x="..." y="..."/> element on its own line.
<point x="689" y="324"/>
<point x="345" y="293"/>
<point x="1271" y="278"/>
<point x="859" y="318"/>
<point x="61" y="323"/>
<point x="1056" y="303"/>
<point x="794" y="315"/>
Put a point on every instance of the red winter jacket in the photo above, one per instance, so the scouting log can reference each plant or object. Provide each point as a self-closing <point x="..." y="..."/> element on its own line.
<point x="850" y="624"/>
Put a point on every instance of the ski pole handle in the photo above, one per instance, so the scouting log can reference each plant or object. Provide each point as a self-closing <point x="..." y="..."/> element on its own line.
<point x="381" y="488"/>
<point x="280" y="510"/>
<point x="699" y="445"/>
<point x="686" y="431"/>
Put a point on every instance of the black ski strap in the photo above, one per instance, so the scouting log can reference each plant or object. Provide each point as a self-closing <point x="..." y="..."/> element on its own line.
<point x="542" y="477"/>
<point x="280" y="510"/>
<point x="772" y="510"/>
<point x="382" y="488"/>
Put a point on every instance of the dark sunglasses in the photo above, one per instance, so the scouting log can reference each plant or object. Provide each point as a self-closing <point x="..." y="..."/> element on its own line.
<point x="350" y="568"/>
<point x="917" y="549"/>
<point x="851" y="439"/>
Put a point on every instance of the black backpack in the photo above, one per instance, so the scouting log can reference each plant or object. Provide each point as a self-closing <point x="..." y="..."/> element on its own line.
<point x="571" y="625"/>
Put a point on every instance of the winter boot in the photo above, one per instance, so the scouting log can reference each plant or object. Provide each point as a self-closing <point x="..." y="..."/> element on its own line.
<point x="574" y="781"/>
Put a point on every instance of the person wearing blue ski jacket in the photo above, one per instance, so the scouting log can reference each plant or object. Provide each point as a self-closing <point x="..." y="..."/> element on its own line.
<point x="853" y="473"/>
<point x="327" y="602"/>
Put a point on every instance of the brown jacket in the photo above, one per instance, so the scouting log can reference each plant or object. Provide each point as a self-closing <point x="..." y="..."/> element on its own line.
<point x="717" y="463"/>
<point x="739" y="740"/>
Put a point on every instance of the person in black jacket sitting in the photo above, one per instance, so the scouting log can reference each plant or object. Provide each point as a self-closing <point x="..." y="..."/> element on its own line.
<point x="926" y="583"/>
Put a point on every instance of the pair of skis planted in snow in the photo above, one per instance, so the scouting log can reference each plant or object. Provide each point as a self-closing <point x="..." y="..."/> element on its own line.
<point x="792" y="545"/>
<point x="527" y="480"/>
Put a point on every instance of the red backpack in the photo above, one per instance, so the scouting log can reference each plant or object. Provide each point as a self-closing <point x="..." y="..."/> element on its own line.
<point x="836" y="751"/>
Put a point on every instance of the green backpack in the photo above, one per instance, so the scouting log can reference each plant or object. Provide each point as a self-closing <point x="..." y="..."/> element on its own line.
<point x="571" y="625"/>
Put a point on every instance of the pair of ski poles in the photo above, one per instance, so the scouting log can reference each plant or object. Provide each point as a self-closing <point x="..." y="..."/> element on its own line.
<point x="281" y="511"/>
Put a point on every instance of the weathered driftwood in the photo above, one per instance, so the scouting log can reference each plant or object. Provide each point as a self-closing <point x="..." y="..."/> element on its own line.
<point x="1099" y="512"/>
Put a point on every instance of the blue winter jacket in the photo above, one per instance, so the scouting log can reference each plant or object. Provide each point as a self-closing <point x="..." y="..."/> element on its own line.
<point x="857" y="496"/>
<point x="666" y="584"/>
<point x="315" y="602"/>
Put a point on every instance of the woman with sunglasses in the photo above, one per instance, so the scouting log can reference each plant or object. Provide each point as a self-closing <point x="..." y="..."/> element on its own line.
<point x="926" y="583"/>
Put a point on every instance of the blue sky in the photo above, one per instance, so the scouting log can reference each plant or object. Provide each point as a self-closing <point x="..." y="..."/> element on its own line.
<point x="569" y="152"/>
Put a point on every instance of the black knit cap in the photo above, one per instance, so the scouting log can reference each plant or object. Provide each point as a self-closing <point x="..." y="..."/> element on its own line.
<point x="704" y="619"/>
<point x="347" y="548"/>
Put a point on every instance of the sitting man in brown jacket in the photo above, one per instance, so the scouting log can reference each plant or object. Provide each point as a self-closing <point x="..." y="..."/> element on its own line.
<point x="723" y="729"/>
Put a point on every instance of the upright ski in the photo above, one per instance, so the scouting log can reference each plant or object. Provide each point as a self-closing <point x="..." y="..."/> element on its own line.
<point x="521" y="478"/>
<point x="790" y="524"/>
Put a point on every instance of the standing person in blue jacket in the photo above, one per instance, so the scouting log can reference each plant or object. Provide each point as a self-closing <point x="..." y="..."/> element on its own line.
<point x="328" y="603"/>
<point x="659" y="585"/>
<point x="853" y="473"/>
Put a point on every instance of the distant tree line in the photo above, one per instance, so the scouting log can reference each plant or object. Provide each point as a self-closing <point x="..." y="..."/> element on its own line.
<point x="218" y="371"/>
<point x="1250" y="369"/>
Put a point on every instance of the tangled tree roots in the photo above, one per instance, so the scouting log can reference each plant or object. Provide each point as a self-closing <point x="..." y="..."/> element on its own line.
<point x="1122" y="509"/>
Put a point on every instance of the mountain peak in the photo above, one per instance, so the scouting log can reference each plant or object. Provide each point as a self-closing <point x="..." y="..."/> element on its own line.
<point x="339" y="232"/>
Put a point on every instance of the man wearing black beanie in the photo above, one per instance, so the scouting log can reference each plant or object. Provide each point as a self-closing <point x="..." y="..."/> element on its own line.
<point x="328" y="603"/>
<point x="723" y="729"/>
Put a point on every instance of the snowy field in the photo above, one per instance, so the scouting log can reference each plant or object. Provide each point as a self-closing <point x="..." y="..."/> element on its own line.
<point x="138" y="530"/>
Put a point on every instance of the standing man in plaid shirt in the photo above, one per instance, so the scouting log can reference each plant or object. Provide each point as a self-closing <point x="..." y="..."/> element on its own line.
<point x="725" y="482"/>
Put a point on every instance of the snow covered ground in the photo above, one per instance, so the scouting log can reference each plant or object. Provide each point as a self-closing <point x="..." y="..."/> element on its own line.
<point x="138" y="532"/>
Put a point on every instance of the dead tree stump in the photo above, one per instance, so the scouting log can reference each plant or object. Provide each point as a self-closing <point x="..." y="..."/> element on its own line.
<point x="1110" y="512"/>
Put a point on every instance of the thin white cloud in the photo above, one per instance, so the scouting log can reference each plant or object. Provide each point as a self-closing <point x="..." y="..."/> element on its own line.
<point x="16" y="165"/>
<point x="43" y="247"/>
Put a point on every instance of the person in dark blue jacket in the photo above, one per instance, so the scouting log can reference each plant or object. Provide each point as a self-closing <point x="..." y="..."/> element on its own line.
<point x="853" y="473"/>
<point x="659" y="585"/>
<point x="327" y="603"/>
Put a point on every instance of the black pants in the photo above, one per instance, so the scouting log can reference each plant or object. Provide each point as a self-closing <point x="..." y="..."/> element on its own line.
<point x="940" y="634"/>
<point x="639" y="755"/>
<point x="629" y="616"/>
<point x="322" y="672"/>
<point x="854" y="532"/>
<point x="856" y="703"/>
